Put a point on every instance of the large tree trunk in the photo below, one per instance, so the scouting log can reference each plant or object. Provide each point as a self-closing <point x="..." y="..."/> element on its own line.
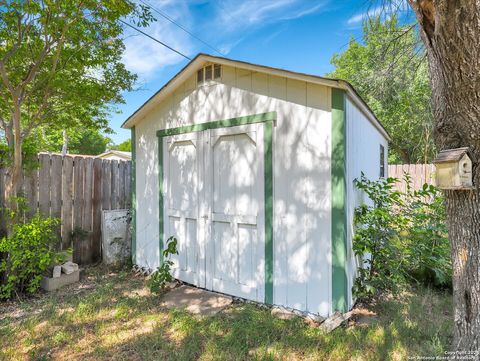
<point x="451" y="33"/>
<point x="463" y="217"/>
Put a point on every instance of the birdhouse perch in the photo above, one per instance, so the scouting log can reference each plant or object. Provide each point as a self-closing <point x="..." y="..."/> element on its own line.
<point x="453" y="169"/>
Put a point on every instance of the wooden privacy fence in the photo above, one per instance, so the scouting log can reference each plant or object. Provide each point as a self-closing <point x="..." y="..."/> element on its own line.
<point x="420" y="174"/>
<point x="76" y="189"/>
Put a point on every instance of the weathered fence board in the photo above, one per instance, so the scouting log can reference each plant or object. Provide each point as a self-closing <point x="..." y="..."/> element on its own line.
<point x="67" y="201"/>
<point x="96" y="249"/>
<point x="115" y="175"/>
<point x="420" y="174"/>
<point x="76" y="189"/>
<point x="87" y="210"/>
<point x="56" y="187"/>
<point x="121" y="185"/>
<point x="106" y="186"/>
<point x="30" y="189"/>
<point x="78" y="201"/>
<point x="44" y="185"/>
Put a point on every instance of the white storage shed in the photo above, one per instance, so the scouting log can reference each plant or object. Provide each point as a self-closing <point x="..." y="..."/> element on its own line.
<point x="252" y="169"/>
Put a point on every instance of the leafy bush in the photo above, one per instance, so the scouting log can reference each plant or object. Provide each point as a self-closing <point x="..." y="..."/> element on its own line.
<point x="162" y="275"/>
<point x="26" y="254"/>
<point x="401" y="238"/>
<point x="429" y="256"/>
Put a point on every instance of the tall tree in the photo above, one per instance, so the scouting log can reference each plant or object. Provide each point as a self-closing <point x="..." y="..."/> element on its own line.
<point x="450" y="32"/>
<point x="125" y="146"/>
<point x="89" y="141"/>
<point x="60" y="67"/>
<point x="391" y="73"/>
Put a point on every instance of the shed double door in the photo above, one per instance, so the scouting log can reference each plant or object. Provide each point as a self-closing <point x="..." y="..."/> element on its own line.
<point x="214" y="206"/>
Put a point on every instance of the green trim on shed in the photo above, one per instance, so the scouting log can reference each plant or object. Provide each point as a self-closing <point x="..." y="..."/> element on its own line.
<point x="268" y="206"/>
<point x="133" y="186"/>
<point x="232" y="122"/>
<point x="339" y="189"/>
<point x="268" y="119"/>
<point x="161" y="234"/>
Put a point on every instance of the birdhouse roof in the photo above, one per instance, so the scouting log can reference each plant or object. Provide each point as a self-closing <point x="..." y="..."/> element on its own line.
<point x="450" y="155"/>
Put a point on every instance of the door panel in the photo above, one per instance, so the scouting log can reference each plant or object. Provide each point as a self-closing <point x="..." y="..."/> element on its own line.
<point x="183" y="160"/>
<point x="214" y="182"/>
<point x="236" y="169"/>
<point x="224" y="257"/>
<point x="247" y="236"/>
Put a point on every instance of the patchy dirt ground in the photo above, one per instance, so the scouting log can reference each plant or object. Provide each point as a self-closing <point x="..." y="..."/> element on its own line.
<point x="113" y="316"/>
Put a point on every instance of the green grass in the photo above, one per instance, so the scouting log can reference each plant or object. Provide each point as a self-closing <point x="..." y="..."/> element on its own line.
<point x="112" y="316"/>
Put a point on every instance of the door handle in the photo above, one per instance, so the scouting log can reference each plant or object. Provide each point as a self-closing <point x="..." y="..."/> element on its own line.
<point x="205" y="217"/>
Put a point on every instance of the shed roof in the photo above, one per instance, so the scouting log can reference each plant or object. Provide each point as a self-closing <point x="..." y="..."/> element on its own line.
<point x="450" y="155"/>
<point x="197" y="62"/>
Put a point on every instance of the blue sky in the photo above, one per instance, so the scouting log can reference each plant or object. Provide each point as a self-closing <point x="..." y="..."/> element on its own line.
<point x="298" y="35"/>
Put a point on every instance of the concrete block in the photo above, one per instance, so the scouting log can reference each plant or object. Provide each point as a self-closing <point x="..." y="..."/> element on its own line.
<point x="57" y="271"/>
<point x="69" y="267"/>
<point x="51" y="284"/>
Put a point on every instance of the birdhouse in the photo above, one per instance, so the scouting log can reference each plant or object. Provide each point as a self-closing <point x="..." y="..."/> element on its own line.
<point x="453" y="169"/>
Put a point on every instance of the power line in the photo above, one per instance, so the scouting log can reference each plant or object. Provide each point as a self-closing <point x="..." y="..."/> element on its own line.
<point x="164" y="15"/>
<point x="154" y="39"/>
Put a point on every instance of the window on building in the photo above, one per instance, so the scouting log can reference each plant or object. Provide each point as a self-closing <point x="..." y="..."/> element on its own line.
<point x="217" y="71"/>
<point x="200" y="76"/>
<point x="208" y="73"/>
<point x="382" y="161"/>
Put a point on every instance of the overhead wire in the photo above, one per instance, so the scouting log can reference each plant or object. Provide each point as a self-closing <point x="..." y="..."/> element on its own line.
<point x="167" y="17"/>
<point x="155" y="39"/>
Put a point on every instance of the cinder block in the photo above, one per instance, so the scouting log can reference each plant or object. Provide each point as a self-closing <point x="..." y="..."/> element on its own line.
<point x="69" y="267"/>
<point x="51" y="284"/>
<point x="57" y="271"/>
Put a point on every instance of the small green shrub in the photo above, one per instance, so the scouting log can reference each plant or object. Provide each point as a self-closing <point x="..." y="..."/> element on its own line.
<point x="376" y="240"/>
<point x="428" y="246"/>
<point x="26" y="254"/>
<point x="162" y="275"/>
<point x="401" y="238"/>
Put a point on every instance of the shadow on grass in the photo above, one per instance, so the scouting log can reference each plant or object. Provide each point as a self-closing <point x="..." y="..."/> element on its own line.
<point x="119" y="319"/>
<point x="245" y="332"/>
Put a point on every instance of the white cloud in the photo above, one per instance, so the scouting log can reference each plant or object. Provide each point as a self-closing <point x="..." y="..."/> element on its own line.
<point x="237" y="19"/>
<point x="273" y="35"/>
<point x="145" y="56"/>
<point x="237" y="14"/>
<point x="358" y="18"/>
<point x="306" y="11"/>
<point x="385" y="11"/>
<point x="223" y="24"/>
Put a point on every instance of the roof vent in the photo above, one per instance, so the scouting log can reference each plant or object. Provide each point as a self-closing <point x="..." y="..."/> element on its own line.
<point x="209" y="73"/>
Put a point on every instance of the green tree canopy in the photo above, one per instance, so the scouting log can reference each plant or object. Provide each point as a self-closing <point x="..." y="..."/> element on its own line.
<point x="125" y="146"/>
<point x="60" y="68"/>
<point x="390" y="72"/>
<point x="79" y="141"/>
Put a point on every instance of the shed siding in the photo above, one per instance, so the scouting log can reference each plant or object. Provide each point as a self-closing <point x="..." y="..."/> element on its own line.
<point x="363" y="155"/>
<point x="302" y="188"/>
